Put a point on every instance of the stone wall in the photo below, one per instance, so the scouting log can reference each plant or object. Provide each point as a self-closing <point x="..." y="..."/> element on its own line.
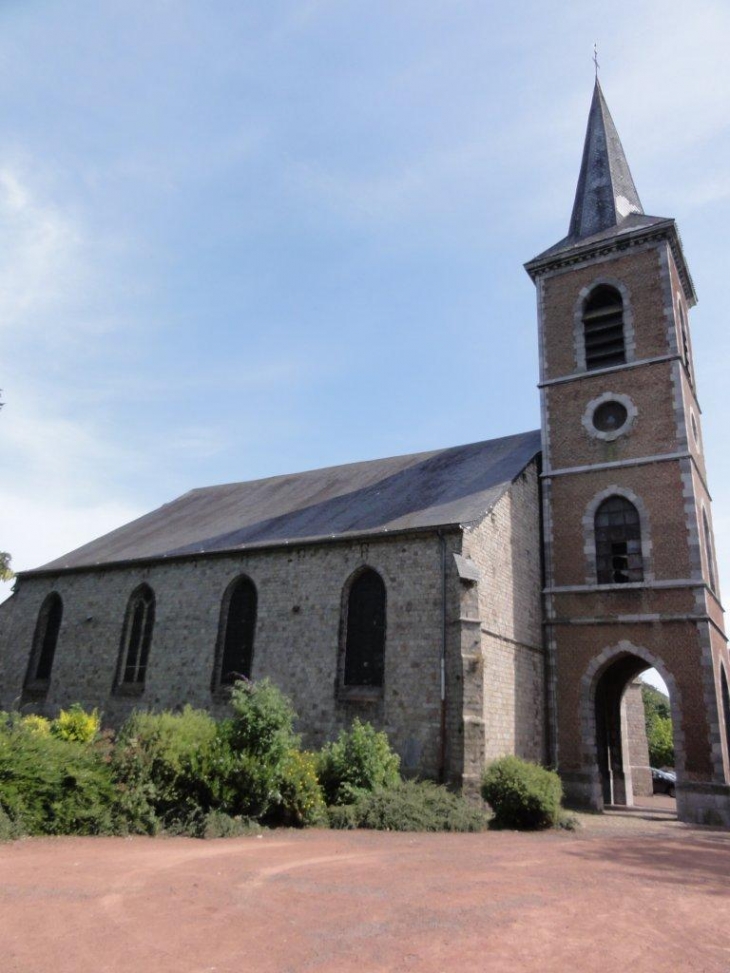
<point x="506" y="548"/>
<point x="636" y="743"/>
<point x="297" y="637"/>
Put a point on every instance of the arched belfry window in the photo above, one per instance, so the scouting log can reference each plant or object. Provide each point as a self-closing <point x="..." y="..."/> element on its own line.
<point x="618" y="542"/>
<point x="710" y="554"/>
<point x="363" y="665"/>
<point x="603" y="328"/>
<point x="45" y="640"/>
<point x="134" y="653"/>
<point x="234" y="656"/>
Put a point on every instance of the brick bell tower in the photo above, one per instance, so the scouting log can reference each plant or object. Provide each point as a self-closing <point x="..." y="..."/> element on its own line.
<point x="631" y="578"/>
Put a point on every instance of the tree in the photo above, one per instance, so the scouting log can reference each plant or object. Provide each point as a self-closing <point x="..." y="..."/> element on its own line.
<point x="659" y="731"/>
<point x="6" y="573"/>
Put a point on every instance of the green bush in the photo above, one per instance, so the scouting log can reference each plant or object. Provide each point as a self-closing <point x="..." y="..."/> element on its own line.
<point x="263" y="720"/>
<point x="521" y="794"/>
<point x="254" y="751"/>
<point x="164" y="765"/>
<point x="218" y="824"/>
<point x="176" y="769"/>
<point x="360" y="760"/>
<point x="54" y="786"/>
<point x="9" y="829"/>
<point x="410" y="806"/>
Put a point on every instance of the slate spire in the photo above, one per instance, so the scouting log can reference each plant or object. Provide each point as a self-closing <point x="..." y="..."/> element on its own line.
<point x="606" y="193"/>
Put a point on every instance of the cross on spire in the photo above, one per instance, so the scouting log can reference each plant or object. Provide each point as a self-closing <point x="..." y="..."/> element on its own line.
<point x="595" y="59"/>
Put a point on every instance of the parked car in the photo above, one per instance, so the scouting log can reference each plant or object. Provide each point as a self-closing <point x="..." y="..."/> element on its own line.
<point x="663" y="781"/>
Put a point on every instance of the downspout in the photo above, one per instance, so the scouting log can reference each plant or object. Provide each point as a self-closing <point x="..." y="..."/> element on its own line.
<point x="442" y="747"/>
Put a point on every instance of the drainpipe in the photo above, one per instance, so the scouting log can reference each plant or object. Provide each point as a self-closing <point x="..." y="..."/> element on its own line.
<point x="442" y="747"/>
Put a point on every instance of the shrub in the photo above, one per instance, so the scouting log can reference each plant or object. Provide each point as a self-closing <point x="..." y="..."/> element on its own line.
<point x="521" y="794"/>
<point x="253" y="750"/>
<point x="164" y="764"/>
<point x="75" y="724"/>
<point x="360" y="760"/>
<point x="9" y="829"/>
<point x="217" y="824"/>
<point x="301" y="800"/>
<point x="37" y="724"/>
<point x="54" y="786"/>
<point x="410" y="806"/>
<point x="176" y="769"/>
<point x="263" y="720"/>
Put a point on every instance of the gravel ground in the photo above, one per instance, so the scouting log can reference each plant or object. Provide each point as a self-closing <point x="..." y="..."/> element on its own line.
<point x="631" y="890"/>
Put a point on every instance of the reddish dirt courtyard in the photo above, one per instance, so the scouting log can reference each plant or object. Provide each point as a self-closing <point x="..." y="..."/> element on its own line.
<point x="632" y="892"/>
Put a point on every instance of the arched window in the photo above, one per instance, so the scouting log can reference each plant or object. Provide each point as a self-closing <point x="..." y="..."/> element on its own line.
<point x="603" y="328"/>
<point x="234" y="657"/>
<point x="709" y="553"/>
<point x="139" y="621"/>
<point x="364" y="642"/>
<point x="45" y="640"/>
<point x="618" y="542"/>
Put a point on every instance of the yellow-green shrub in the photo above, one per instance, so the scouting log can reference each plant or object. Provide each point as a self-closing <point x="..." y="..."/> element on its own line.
<point x="76" y="725"/>
<point x="301" y="798"/>
<point x="37" y="724"/>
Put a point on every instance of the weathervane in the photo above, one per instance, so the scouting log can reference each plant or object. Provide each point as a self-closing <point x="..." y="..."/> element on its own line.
<point x="595" y="59"/>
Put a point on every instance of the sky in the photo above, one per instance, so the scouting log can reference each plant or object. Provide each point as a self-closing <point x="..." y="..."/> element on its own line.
<point x="242" y="239"/>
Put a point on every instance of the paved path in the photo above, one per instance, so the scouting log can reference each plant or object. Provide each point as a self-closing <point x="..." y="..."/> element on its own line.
<point x="629" y="891"/>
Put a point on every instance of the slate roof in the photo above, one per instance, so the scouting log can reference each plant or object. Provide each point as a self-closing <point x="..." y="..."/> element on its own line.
<point x="606" y="193"/>
<point x="420" y="491"/>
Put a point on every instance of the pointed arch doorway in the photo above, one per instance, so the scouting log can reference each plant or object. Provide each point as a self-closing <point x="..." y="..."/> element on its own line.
<point x="619" y="740"/>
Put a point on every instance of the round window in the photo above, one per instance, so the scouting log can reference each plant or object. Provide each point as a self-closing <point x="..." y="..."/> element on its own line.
<point x="610" y="416"/>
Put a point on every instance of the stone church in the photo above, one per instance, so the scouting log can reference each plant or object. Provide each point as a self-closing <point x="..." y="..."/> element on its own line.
<point x="499" y="597"/>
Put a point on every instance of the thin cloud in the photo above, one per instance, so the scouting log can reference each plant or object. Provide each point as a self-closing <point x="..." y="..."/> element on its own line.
<point x="41" y="268"/>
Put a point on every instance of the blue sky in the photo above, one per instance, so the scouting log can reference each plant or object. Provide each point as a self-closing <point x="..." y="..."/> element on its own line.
<point x="241" y="239"/>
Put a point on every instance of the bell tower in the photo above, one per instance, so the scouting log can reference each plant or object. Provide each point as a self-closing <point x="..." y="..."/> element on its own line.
<point x="631" y="579"/>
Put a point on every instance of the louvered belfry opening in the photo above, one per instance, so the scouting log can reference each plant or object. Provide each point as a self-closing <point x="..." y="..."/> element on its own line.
<point x="237" y="630"/>
<point x="137" y="637"/>
<point x="618" y="542"/>
<point x="603" y="328"/>
<point x="365" y="640"/>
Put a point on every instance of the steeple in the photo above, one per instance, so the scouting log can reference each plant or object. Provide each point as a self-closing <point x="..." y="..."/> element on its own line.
<point x="607" y="212"/>
<point x="606" y="193"/>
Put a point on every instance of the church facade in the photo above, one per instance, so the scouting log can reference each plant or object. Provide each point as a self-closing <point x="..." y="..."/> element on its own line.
<point x="500" y="597"/>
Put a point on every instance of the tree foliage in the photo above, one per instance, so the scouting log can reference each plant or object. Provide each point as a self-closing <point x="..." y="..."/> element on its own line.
<point x="6" y="573"/>
<point x="659" y="731"/>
